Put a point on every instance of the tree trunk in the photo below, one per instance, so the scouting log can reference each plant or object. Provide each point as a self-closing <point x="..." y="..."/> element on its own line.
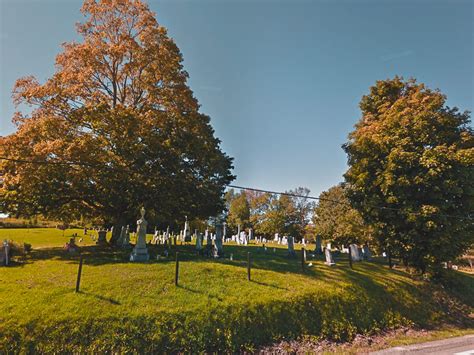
<point x="118" y="224"/>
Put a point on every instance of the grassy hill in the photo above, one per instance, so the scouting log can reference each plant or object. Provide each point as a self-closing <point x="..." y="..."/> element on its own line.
<point x="127" y="306"/>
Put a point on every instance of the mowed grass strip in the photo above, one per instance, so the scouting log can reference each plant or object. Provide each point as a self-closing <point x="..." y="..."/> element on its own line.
<point x="127" y="306"/>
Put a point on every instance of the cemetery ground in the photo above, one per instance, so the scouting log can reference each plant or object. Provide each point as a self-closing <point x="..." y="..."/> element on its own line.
<point x="124" y="306"/>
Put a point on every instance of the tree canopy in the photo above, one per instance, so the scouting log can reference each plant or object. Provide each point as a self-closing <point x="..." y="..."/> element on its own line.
<point x="118" y="127"/>
<point x="269" y="213"/>
<point x="411" y="171"/>
<point x="238" y="209"/>
<point x="337" y="221"/>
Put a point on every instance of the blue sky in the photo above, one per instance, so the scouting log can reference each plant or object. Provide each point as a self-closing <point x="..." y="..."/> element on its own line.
<point x="282" y="79"/>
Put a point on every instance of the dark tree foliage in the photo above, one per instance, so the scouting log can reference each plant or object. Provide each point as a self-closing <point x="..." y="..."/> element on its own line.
<point x="413" y="156"/>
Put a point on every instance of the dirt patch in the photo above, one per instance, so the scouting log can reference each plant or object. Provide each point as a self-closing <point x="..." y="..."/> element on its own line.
<point x="362" y="344"/>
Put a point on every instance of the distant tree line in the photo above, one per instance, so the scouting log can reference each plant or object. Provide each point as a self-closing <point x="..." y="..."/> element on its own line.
<point x="269" y="213"/>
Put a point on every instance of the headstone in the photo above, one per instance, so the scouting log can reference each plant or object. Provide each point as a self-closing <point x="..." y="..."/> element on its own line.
<point x="102" y="239"/>
<point x="121" y="236"/>
<point x="251" y="234"/>
<point x="187" y="232"/>
<point x="291" y="247"/>
<point x="126" y="237"/>
<point x="5" y="257"/>
<point x="71" y="247"/>
<point x="355" y="256"/>
<point x="319" y="242"/>
<point x="156" y="236"/>
<point x="243" y="238"/>
<point x="140" y="252"/>
<point x="219" y="244"/>
<point x="208" y="237"/>
<point x="329" y="259"/>
<point x="199" y="241"/>
<point x="366" y="252"/>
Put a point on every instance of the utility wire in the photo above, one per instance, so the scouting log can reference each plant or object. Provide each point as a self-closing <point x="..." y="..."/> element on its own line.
<point x="24" y="161"/>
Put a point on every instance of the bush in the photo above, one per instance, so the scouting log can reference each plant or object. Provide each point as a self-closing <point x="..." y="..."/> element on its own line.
<point x="15" y="250"/>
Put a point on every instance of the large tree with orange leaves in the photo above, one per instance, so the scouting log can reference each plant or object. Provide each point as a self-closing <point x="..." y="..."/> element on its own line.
<point x="115" y="127"/>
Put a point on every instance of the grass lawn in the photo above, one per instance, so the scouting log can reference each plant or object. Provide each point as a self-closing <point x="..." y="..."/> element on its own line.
<point x="127" y="306"/>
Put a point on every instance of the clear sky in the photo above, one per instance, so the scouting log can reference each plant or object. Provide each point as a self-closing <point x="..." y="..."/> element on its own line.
<point x="281" y="80"/>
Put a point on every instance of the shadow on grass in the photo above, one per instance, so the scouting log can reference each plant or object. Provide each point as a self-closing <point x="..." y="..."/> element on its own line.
<point x="367" y="280"/>
<point x="268" y="285"/>
<point x="102" y="298"/>
<point x="187" y="288"/>
<point x="373" y="277"/>
<point x="277" y="261"/>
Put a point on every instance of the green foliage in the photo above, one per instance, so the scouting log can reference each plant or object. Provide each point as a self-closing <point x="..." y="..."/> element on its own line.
<point x="414" y="156"/>
<point x="239" y="209"/>
<point x="270" y="213"/>
<point x="336" y="221"/>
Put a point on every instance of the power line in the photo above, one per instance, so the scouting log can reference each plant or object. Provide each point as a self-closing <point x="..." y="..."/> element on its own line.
<point x="25" y="161"/>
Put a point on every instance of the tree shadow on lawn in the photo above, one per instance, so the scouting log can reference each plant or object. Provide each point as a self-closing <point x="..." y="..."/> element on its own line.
<point x="364" y="274"/>
<point x="366" y="279"/>
<point x="271" y="261"/>
<point x="102" y="298"/>
<point x="187" y="288"/>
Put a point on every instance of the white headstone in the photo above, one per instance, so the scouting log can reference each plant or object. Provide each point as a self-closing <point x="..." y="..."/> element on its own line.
<point x="354" y="250"/>
<point x="140" y="252"/>
<point x="199" y="241"/>
<point x="329" y="259"/>
<point x="291" y="246"/>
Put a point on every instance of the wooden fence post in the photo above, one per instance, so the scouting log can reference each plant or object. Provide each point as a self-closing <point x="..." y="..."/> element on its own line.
<point x="248" y="266"/>
<point x="79" y="272"/>
<point x="176" y="276"/>
<point x="350" y="257"/>
<point x="302" y="259"/>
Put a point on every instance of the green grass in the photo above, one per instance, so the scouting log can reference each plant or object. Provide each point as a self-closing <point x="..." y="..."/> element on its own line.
<point x="135" y="306"/>
<point x="43" y="237"/>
